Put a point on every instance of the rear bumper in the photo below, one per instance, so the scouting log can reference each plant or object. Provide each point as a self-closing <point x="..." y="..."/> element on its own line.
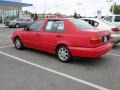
<point x="90" y="52"/>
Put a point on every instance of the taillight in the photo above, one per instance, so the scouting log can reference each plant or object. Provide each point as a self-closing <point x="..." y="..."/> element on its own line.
<point x="95" y="40"/>
<point x="115" y="29"/>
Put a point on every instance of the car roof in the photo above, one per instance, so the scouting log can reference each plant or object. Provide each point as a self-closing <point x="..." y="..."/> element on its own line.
<point x="52" y="18"/>
<point x="56" y="18"/>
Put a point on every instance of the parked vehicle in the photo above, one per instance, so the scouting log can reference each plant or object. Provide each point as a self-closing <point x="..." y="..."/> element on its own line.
<point x="19" y="22"/>
<point x="102" y="24"/>
<point x="114" y="19"/>
<point x="64" y="37"/>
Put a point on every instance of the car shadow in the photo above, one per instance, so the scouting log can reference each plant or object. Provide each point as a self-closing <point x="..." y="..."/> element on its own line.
<point x="39" y="52"/>
<point x="116" y="46"/>
<point x="10" y="28"/>
<point x="75" y="61"/>
<point x="89" y="61"/>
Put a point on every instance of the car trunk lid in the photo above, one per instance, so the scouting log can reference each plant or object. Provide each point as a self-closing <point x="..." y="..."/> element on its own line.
<point x="94" y="38"/>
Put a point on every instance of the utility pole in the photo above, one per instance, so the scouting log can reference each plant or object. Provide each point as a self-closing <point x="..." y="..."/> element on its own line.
<point x="45" y="8"/>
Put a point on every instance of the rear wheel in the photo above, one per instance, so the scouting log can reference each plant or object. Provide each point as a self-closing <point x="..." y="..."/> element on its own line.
<point x="18" y="44"/>
<point x="17" y="25"/>
<point x="63" y="54"/>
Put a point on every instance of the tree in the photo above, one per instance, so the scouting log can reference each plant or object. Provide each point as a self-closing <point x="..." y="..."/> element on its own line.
<point x="36" y="16"/>
<point x="32" y="15"/>
<point x="79" y="16"/>
<point x="26" y="12"/>
<point x="75" y="15"/>
<point x="115" y="9"/>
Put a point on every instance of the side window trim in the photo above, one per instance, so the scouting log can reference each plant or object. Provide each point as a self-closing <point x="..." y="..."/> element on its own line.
<point x="62" y="30"/>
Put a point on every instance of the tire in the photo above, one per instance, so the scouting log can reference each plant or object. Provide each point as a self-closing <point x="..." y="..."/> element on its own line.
<point x="10" y="26"/>
<point x="64" y="54"/>
<point x="17" y="25"/>
<point x="18" y="44"/>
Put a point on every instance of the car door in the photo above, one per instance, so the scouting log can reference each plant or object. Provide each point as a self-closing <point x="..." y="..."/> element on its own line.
<point x="19" y="21"/>
<point x="23" y="22"/>
<point x="51" y="35"/>
<point x="32" y="36"/>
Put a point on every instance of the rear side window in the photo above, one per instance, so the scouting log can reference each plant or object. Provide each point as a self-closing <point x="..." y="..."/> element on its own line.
<point x="93" y="23"/>
<point x="60" y="27"/>
<point x="81" y="24"/>
<point x="54" y="26"/>
<point x="49" y="25"/>
<point x="117" y="19"/>
<point x="19" y="19"/>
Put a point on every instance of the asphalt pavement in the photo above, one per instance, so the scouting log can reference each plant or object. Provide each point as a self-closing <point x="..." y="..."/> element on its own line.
<point x="34" y="70"/>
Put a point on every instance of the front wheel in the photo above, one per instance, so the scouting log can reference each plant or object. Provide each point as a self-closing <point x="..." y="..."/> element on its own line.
<point x="64" y="54"/>
<point x="18" y="44"/>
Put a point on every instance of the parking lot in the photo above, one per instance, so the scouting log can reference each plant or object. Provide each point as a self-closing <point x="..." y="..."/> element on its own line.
<point x="34" y="70"/>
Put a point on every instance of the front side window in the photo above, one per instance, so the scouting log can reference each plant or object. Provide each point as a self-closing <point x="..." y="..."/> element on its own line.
<point x="36" y="26"/>
<point x="54" y="26"/>
<point x="19" y="19"/>
<point x="81" y="24"/>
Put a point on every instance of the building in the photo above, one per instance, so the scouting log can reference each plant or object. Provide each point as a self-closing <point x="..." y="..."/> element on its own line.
<point x="10" y="9"/>
<point x="51" y="15"/>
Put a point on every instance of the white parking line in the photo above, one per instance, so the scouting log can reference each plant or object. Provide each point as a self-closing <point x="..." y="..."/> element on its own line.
<point x="114" y="54"/>
<point x="56" y="72"/>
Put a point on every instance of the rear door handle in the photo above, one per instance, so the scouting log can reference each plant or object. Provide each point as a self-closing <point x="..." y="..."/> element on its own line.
<point x="37" y="34"/>
<point x="59" y="36"/>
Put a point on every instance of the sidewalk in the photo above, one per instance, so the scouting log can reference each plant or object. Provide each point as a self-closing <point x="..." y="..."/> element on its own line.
<point x="2" y="25"/>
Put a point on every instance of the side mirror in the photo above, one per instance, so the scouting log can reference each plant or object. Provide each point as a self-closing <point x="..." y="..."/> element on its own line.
<point x="26" y="29"/>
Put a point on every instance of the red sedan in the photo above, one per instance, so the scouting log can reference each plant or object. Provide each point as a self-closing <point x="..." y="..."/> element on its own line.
<point x="64" y="37"/>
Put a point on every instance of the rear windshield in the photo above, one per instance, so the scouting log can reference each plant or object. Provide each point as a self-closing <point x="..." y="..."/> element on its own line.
<point x="81" y="24"/>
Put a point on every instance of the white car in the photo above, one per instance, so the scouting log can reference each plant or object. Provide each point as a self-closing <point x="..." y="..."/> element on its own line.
<point x="114" y="19"/>
<point x="102" y="24"/>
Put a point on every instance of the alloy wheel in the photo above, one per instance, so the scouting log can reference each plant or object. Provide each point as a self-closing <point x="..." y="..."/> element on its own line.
<point x="63" y="54"/>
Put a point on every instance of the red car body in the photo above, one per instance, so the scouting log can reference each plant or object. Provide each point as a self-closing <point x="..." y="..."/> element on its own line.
<point x="81" y="42"/>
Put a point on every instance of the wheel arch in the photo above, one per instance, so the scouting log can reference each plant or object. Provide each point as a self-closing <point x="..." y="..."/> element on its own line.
<point x="17" y="36"/>
<point x="69" y="57"/>
<point x="60" y="44"/>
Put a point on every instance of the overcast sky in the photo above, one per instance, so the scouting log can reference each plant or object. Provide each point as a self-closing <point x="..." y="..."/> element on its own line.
<point x="84" y="7"/>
